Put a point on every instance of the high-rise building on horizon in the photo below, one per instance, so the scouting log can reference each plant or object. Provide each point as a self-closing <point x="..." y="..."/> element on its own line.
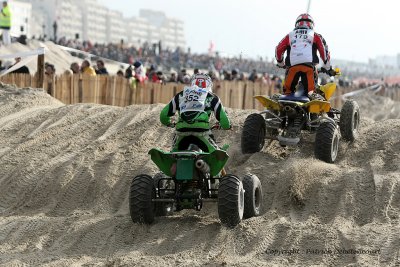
<point x="21" y="23"/>
<point x="89" y="20"/>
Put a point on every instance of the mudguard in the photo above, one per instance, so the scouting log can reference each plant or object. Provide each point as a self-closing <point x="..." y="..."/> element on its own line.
<point x="267" y="102"/>
<point x="318" y="106"/>
<point x="328" y="89"/>
<point x="164" y="160"/>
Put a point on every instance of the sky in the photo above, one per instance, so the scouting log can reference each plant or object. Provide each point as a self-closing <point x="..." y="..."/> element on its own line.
<point x="354" y="29"/>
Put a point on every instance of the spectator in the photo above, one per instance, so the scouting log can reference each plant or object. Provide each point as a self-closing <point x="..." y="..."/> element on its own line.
<point x="87" y="69"/>
<point x="1" y="66"/>
<point x="227" y="75"/>
<point x="186" y="79"/>
<point x="128" y="72"/>
<point x="5" y="23"/>
<point x="129" y="75"/>
<point x="139" y="72"/>
<point x="101" y="69"/>
<point x="173" y="78"/>
<point x="196" y="71"/>
<point x="161" y="78"/>
<point x="50" y="69"/>
<point x="23" y="69"/>
<point x="152" y="74"/>
<point x="235" y="75"/>
<point x="266" y="79"/>
<point x="181" y="75"/>
<point x="212" y="75"/>
<point x="75" y="68"/>
<point x="120" y="73"/>
<point x="253" y="76"/>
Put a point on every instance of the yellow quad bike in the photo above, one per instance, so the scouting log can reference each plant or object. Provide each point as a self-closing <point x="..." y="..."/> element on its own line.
<point x="285" y="117"/>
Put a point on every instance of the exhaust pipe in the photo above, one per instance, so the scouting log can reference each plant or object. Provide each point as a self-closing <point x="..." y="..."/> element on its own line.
<point x="202" y="166"/>
<point x="288" y="108"/>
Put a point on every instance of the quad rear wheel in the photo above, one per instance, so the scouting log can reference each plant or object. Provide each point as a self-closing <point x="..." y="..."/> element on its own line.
<point x="253" y="134"/>
<point x="252" y="196"/>
<point x="327" y="142"/>
<point x="230" y="201"/>
<point x="141" y="207"/>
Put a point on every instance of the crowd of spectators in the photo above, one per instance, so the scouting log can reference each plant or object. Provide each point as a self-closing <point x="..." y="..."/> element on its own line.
<point x="170" y="65"/>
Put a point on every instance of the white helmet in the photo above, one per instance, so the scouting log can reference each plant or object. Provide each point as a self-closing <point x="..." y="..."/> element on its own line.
<point x="202" y="80"/>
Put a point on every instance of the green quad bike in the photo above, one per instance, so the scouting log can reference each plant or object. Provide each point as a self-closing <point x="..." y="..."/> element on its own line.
<point x="192" y="174"/>
<point x="286" y="117"/>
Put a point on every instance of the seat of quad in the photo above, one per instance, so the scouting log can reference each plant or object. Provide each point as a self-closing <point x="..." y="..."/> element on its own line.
<point x="292" y="97"/>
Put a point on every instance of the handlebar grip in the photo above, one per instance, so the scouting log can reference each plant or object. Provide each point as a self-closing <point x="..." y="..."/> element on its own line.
<point x="172" y="125"/>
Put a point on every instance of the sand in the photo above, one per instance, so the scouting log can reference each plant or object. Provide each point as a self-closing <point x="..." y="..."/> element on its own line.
<point x="66" y="171"/>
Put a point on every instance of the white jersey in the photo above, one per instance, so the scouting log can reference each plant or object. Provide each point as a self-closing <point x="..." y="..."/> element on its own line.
<point x="193" y="99"/>
<point x="301" y="46"/>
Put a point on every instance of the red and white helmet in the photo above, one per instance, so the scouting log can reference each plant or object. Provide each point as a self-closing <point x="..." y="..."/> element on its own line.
<point x="202" y="81"/>
<point x="305" y="20"/>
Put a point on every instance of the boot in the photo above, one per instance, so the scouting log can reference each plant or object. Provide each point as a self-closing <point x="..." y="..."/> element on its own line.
<point x="315" y="96"/>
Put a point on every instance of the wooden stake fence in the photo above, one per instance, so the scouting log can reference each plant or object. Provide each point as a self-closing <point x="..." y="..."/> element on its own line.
<point x="117" y="91"/>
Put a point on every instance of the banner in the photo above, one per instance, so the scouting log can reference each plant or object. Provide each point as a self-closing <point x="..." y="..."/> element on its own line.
<point x="26" y="57"/>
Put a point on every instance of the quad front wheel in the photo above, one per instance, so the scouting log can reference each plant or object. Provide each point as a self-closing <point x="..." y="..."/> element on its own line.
<point x="253" y="135"/>
<point x="327" y="142"/>
<point x="230" y="201"/>
<point x="252" y="196"/>
<point x="349" y="120"/>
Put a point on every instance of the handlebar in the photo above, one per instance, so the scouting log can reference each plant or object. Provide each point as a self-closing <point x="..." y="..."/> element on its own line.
<point x="331" y="72"/>
<point x="216" y="126"/>
<point x="172" y="125"/>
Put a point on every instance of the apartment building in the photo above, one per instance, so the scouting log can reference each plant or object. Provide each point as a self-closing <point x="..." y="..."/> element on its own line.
<point x="45" y="13"/>
<point x="116" y="27"/>
<point x="92" y="21"/>
<point x="169" y="31"/>
<point x="21" y="23"/>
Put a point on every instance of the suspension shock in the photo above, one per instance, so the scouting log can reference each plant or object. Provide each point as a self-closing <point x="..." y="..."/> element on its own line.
<point x="296" y="124"/>
<point x="298" y="120"/>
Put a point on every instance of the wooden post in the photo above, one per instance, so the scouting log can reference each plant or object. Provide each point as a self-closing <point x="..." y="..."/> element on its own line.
<point x="40" y="70"/>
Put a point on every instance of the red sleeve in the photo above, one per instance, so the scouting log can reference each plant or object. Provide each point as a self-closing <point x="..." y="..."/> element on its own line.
<point x="321" y="47"/>
<point x="281" y="48"/>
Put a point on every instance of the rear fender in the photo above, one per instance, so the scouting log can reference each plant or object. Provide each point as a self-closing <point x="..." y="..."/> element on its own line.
<point x="267" y="102"/>
<point x="318" y="106"/>
<point x="165" y="160"/>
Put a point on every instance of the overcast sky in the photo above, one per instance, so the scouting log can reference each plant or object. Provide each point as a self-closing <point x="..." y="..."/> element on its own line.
<point x="354" y="29"/>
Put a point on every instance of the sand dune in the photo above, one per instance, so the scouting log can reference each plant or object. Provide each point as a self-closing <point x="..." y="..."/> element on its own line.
<point x="66" y="172"/>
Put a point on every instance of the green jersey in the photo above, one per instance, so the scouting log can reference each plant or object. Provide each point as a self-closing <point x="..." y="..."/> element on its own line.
<point x="195" y="106"/>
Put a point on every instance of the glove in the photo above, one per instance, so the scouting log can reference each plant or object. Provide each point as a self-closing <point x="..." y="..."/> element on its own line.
<point x="314" y="96"/>
<point x="281" y="64"/>
<point x="331" y="72"/>
<point x="171" y="125"/>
